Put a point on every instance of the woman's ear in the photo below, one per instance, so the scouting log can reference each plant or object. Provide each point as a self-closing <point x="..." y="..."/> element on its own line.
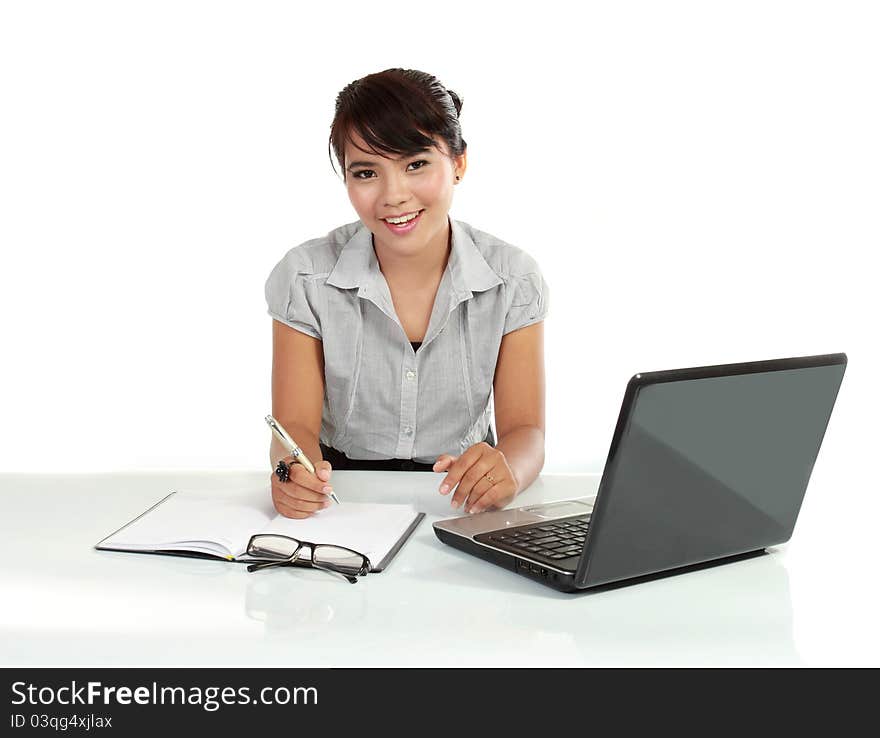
<point x="460" y="165"/>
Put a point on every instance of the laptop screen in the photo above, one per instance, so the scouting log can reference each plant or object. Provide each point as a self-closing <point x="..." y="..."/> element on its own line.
<point x="708" y="467"/>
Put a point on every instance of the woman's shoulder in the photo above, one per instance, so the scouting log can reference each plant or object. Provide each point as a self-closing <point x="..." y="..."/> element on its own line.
<point x="506" y="259"/>
<point x="526" y="292"/>
<point x="318" y="256"/>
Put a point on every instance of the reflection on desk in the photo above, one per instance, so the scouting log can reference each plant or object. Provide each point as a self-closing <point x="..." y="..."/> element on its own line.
<point x="115" y="608"/>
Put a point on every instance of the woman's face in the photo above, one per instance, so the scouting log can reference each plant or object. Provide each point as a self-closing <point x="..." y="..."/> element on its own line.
<point x="382" y="187"/>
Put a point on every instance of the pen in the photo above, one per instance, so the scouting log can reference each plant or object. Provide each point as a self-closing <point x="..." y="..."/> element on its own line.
<point x="295" y="451"/>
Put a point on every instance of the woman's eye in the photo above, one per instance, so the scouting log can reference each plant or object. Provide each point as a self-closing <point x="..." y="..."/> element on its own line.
<point x="357" y="175"/>
<point x="421" y="162"/>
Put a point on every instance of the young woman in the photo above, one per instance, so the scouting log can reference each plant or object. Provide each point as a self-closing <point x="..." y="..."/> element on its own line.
<point x="391" y="333"/>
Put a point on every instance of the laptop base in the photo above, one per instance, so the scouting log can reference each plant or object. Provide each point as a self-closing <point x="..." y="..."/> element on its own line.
<point x="564" y="581"/>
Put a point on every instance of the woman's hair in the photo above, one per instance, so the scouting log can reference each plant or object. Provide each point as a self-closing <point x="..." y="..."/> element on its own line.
<point x="397" y="111"/>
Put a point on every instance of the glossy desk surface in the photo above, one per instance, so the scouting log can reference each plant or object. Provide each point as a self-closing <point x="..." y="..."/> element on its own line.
<point x="66" y="604"/>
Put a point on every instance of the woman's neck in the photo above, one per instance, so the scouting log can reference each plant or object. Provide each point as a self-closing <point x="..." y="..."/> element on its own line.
<point x="419" y="269"/>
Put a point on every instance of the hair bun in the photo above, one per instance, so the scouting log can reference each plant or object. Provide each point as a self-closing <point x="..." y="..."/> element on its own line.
<point x="456" y="100"/>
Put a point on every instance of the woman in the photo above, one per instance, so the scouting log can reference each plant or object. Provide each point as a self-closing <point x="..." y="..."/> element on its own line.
<point x="391" y="333"/>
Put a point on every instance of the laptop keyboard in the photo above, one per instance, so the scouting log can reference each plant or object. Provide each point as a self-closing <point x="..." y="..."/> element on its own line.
<point x="560" y="539"/>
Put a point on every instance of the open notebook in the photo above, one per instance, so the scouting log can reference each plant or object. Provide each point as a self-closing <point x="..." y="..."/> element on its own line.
<point x="191" y="524"/>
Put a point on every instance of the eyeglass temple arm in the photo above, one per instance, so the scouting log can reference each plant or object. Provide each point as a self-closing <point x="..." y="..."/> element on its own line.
<point x="349" y="577"/>
<point x="266" y="564"/>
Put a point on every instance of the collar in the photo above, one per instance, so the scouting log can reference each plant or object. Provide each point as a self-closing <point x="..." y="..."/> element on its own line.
<point x="357" y="265"/>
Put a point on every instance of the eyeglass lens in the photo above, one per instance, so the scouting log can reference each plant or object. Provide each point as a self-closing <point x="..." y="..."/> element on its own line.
<point x="334" y="557"/>
<point x="338" y="558"/>
<point x="273" y="547"/>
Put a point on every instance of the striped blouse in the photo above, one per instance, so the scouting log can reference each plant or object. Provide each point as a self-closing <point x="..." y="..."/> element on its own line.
<point x="383" y="398"/>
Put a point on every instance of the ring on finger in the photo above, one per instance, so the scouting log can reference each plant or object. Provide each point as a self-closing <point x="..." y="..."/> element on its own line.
<point x="483" y="489"/>
<point x="283" y="471"/>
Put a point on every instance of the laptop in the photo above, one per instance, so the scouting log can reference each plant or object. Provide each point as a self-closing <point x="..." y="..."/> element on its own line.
<point x="707" y="465"/>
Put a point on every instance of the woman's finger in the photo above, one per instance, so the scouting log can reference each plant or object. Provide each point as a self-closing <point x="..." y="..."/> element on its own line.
<point x="290" y="498"/>
<point x="481" y="487"/>
<point x="284" y="505"/>
<point x="496" y="496"/>
<point x="444" y="461"/>
<point x="472" y="478"/>
<point x="323" y="470"/>
<point x="302" y="477"/>
<point x="293" y="491"/>
<point x="494" y="490"/>
<point x="290" y="512"/>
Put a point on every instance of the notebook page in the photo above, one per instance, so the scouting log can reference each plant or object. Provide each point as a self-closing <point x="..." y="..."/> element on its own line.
<point x="368" y="528"/>
<point x="185" y="520"/>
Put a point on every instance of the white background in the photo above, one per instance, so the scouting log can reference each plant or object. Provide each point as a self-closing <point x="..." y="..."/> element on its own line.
<point x="698" y="181"/>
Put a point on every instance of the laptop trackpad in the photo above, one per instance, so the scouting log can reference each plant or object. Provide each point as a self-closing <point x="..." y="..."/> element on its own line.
<point x="560" y="509"/>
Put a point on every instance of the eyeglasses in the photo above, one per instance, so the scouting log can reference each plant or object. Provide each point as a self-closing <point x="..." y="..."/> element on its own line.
<point x="278" y="550"/>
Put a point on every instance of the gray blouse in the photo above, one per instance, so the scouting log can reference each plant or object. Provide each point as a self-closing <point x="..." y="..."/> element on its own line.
<point x="383" y="399"/>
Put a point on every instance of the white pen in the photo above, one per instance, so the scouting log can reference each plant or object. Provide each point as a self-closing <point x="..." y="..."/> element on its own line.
<point x="295" y="451"/>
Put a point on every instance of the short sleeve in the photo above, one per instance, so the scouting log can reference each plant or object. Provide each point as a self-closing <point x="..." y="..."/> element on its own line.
<point x="288" y="295"/>
<point x="529" y="302"/>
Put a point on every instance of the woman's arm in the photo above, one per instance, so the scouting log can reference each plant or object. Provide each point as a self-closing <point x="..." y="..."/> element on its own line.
<point x="297" y="390"/>
<point x="519" y="402"/>
<point x="297" y="403"/>
<point x="491" y="477"/>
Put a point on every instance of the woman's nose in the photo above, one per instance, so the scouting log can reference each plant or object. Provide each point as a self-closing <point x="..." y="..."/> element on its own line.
<point x="396" y="190"/>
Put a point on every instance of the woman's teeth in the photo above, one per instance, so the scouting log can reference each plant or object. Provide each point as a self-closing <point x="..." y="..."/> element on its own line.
<point x="402" y="219"/>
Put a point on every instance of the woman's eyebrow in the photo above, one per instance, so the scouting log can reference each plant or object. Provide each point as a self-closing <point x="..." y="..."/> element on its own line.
<point x="372" y="163"/>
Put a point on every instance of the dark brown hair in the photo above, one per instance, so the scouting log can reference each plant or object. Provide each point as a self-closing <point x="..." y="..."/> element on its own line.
<point x="396" y="111"/>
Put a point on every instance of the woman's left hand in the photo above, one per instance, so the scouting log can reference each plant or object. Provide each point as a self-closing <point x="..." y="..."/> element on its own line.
<point x="484" y="478"/>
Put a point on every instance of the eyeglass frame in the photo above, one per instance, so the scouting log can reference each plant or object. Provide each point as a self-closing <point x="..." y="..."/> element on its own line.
<point x="294" y="560"/>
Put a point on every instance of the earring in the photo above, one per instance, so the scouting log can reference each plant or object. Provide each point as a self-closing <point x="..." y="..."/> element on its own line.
<point x="457" y="178"/>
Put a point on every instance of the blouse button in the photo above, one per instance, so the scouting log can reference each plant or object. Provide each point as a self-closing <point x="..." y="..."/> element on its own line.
<point x="407" y="431"/>
<point x="410" y="374"/>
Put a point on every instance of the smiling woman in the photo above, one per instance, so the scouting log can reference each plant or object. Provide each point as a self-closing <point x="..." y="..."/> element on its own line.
<point x="392" y="334"/>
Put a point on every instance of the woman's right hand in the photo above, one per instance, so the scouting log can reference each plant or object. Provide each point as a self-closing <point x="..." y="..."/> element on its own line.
<point x="305" y="493"/>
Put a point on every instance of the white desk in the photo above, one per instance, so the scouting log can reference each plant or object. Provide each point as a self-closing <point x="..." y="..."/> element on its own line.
<point x="66" y="604"/>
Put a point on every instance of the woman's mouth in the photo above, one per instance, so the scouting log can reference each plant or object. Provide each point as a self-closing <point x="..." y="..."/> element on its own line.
<point x="403" y="223"/>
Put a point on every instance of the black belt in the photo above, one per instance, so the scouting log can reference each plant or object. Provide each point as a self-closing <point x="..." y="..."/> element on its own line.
<point x="339" y="460"/>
